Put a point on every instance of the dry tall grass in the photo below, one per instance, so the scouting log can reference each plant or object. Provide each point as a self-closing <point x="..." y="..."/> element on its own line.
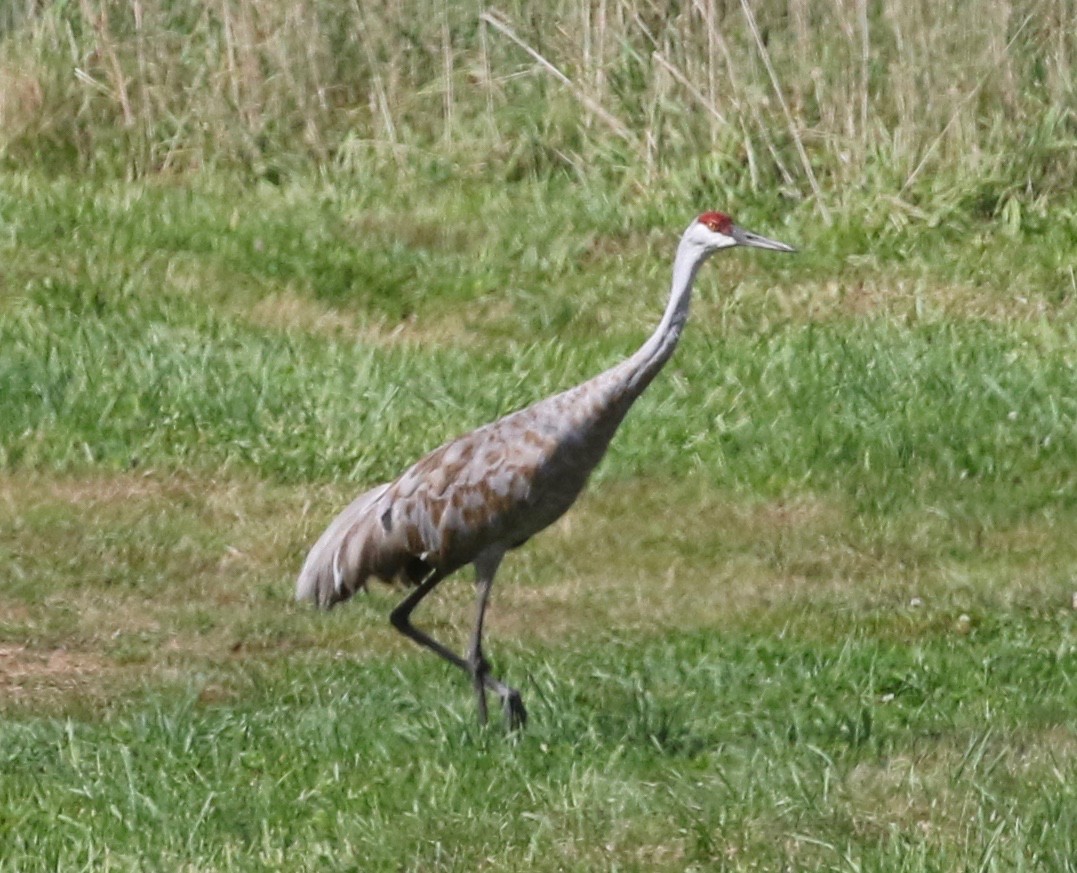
<point x="807" y="96"/>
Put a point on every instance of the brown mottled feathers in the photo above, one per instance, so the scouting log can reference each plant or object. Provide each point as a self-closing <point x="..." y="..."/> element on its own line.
<point x="487" y="491"/>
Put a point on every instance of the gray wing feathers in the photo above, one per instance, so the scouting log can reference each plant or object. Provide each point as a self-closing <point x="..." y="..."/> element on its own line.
<point x="491" y="489"/>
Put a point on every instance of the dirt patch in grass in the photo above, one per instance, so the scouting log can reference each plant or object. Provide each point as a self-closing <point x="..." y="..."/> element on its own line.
<point x="159" y="569"/>
<point x="640" y="557"/>
<point x="96" y="555"/>
<point x="26" y="671"/>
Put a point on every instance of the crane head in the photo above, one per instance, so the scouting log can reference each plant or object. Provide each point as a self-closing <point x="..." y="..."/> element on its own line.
<point x="716" y="230"/>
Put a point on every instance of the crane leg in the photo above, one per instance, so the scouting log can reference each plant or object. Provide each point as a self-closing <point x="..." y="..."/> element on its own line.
<point x="477" y="663"/>
<point x="477" y="667"/>
<point x="400" y="618"/>
<point x="511" y="702"/>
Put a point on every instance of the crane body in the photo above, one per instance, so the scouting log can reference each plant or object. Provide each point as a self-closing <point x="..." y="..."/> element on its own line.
<point x="489" y="491"/>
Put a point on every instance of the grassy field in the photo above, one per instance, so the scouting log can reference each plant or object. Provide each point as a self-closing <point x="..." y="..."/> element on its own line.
<point x="817" y="611"/>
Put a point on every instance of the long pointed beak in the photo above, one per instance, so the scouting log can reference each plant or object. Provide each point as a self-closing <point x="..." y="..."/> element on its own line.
<point x="754" y="240"/>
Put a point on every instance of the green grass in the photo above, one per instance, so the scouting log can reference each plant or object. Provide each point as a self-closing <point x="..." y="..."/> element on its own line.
<point x="689" y="751"/>
<point x="817" y="610"/>
<point x="99" y="371"/>
<point x="815" y="613"/>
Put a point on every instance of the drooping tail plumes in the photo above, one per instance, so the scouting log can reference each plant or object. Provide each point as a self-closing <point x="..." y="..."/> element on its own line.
<point x="352" y="549"/>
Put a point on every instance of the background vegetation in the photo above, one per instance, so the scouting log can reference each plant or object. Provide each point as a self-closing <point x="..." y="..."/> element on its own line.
<point x="817" y="611"/>
<point x="952" y="106"/>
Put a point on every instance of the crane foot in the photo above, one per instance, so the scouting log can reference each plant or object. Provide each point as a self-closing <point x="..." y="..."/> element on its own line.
<point x="515" y="712"/>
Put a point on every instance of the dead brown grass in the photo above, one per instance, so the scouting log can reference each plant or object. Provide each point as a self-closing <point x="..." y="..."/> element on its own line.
<point x="137" y="568"/>
<point x="929" y="792"/>
<point x="18" y="664"/>
<point x="290" y="311"/>
<point x="906" y="87"/>
<point x="645" y="557"/>
<point x="901" y="299"/>
<point x="161" y="573"/>
<point x="21" y="99"/>
<point x="41" y="677"/>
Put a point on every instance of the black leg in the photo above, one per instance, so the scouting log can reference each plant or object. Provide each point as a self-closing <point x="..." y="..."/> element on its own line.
<point x="400" y="618"/>
<point x="475" y="666"/>
<point x="480" y="669"/>
<point x="512" y="704"/>
<point x="485" y="570"/>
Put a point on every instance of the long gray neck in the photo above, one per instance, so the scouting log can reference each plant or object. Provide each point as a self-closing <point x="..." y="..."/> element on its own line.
<point x="638" y="371"/>
<point x="596" y="408"/>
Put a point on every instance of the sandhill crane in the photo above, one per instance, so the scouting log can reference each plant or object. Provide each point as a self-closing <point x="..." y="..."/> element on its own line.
<point x="480" y="495"/>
